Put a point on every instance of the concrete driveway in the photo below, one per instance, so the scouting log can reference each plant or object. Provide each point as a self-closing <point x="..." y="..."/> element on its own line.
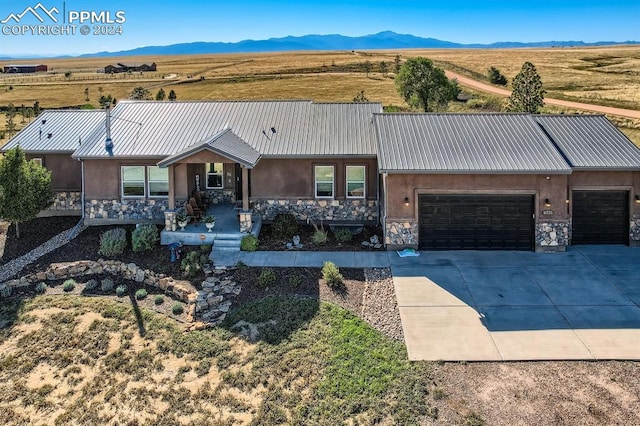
<point x="481" y="306"/>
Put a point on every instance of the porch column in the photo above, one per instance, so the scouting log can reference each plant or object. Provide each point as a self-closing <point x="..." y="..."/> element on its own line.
<point x="172" y="188"/>
<point x="245" y="189"/>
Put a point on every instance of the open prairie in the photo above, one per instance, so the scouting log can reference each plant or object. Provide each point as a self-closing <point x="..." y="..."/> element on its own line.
<point x="604" y="76"/>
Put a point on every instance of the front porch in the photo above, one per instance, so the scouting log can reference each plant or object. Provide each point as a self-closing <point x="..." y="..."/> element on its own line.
<point x="226" y="233"/>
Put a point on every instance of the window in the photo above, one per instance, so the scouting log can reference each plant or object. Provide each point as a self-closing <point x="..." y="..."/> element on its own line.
<point x="214" y="175"/>
<point x="158" y="181"/>
<point x="132" y="181"/>
<point x="324" y="181"/>
<point x="37" y="161"/>
<point x="355" y="181"/>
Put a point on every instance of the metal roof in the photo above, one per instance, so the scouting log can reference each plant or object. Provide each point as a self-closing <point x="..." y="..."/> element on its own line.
<point x="56" y="131"/>
<point x="272" y="128"/>
<point x="591" y="142"/>
<point x="465" y="143"/>
<point x="225" y="143"/>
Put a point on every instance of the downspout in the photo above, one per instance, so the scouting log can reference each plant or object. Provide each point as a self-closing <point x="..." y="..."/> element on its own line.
<point x="384" y="216"/>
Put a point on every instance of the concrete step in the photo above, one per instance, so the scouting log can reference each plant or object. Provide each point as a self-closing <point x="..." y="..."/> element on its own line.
<point x="226" y="243"/>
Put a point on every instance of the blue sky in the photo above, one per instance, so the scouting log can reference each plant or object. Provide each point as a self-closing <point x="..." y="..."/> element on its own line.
<point x="163" y="22"/>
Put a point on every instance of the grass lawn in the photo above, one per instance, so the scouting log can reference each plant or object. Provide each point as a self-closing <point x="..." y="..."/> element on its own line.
<point x="71" y="359"/>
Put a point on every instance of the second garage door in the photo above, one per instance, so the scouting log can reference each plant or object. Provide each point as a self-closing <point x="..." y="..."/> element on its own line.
<point x="600" y="217"/>
<point x="476" y="222"/>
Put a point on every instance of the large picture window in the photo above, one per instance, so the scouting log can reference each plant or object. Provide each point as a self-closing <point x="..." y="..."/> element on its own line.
<point x="355" y="181"/>
<point x="324" y="182"/>
<point x="214" y="175"/>
<point x="158" y="181"/>
<point x="132" y="181"/>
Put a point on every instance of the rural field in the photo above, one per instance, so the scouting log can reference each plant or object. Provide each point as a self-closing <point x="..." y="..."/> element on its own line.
<point x="605" y="76"/>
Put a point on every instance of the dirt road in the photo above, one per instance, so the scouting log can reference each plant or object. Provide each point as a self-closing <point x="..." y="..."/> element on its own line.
<point x="466" y="81"/>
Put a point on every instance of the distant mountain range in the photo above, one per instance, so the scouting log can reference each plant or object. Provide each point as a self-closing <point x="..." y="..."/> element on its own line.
<point x="382" y="40"/>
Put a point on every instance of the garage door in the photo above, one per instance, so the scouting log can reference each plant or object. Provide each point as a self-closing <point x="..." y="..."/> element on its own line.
<point x="476" y="222"/>
<point x="600" y="217"/>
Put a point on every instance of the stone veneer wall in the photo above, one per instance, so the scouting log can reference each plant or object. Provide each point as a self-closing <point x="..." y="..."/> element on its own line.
<point x="220" y="196"/>
<point x="553" y="234"/>
<point x="318" y="210"/>
<point x="126" y="210"/>
<point x="67" y="200"/>
<point x="401" y="233"/>
<point x="634" y="229"/>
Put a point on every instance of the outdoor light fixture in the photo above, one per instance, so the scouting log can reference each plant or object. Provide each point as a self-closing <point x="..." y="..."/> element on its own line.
<point x="637" y="198"/>
<point x="406" y="201"/>
<point x="547" y="203"/>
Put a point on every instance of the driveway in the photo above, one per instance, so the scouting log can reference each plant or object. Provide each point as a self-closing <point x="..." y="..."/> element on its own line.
<point x="493" y="306"/>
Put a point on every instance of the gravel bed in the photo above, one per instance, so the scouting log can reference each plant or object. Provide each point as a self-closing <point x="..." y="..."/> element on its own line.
<point x="379" y="304"/>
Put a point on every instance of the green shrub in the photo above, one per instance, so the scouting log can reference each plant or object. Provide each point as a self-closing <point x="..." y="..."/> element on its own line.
<point x="91" y="285"/>
<point x="331" y="275"/>
<point x="40" y="288"/>
<point x="205" y="248"/>
<point x="144" y="238"/>
<point x="177" y="308"/>
<point x="141" y="293"/>
<point x="319" y="236"/>
<point x="6" y="291"/>
<point x="121" y="290"/>
<point x="249" y="243"/>
<point x="113" y="242"/>
<point x="107" y="285"/>
<point x="158" y="300"/>
<point x="69" y="285"/>
<point x="285" y="225"/>
<point x="266" y="278"/>
<point x="342" y="234"/>
<point x="295" y="281"/>
<point x="193" y="263"/>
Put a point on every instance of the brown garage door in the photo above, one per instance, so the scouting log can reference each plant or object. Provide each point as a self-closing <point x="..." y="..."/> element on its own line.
<point x="476" y="222"/>
<point x="600" y="217"/>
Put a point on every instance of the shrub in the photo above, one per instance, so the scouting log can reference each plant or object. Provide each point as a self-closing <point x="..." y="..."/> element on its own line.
<point x="177" y="308"/>
<point x="91" y="285"/>
<point x="266" y="278"/>
<point x="295" y="281"/>
<point x="107" y="285"/>
<point x="158" y="300"/>
<point x="69" y="285"/>
<point x="285" y="225"/>
<point x="40" y="288"/>
<point x="6" y="291"/>
<point x="496" y="77"/>
<point x="249" y="243"/>
<point x="113" y="242"/>
<point x="205" y="248"/>
<point x="121" y="290"/>
<point x="319" y="235"/>
<point x="141" y="293"/>
<point x="193" y="263"/>
<point x="331" y="275"/>
<point x="342" y="234"/>
<point x="241" y="266"/>
<point x="144" y="237"/>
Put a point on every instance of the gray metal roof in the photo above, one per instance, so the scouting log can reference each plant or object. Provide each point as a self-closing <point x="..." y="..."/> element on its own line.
<point x="272" y="128"/>
<point x="225" y="143"/>
<point x="591" y="142"/>
<point x="62" y="131"/>
<point x="465" y="143"/>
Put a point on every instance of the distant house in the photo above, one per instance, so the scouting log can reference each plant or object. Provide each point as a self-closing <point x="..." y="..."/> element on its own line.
<point x="432" y="181"/>
<point x="118" y="68"/>
<point x="24" y="69"/>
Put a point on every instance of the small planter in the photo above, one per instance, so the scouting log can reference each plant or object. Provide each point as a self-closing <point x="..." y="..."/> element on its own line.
<point x="209" y="225"/>
<point x="182" y="224"/>
<point x="209" y="222"/>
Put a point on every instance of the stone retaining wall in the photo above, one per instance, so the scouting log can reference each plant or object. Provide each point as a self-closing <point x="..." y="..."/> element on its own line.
<point x="67" y="200"/>
<point x="126" y="210"/>
<point x="634" y="229"/>
<point x="553" y="234"/>
<point x="401" y="234"/>
<point x="319" y="210"/>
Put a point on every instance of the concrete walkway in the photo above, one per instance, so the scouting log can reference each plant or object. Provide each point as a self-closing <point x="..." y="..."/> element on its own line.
<point x="493" y="306"/>
<point x="346" y="259"/>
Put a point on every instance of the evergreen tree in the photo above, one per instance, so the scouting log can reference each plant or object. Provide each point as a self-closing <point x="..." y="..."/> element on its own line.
<point x="160" y="95"/>
<point x="172" y="95"/>
<point x="422" y="85"/>
<point x="527" y="95"/>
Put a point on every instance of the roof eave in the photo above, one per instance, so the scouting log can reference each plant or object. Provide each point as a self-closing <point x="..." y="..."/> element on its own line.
<point x="477" y="172"/>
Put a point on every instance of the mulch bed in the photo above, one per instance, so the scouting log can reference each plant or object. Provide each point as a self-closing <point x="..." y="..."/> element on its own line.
<point x="271" y="242"/>
<point x="32" y="234"/>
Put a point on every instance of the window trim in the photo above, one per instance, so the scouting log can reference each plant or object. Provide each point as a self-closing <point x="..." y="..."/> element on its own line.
<point x="364" y="181"/>
<point x="149" y="181"/>
<point x="38" y="160"/>
<point x="144" y="181"/>
<point x="333" y="181"/>
<point x="207" y="173"/>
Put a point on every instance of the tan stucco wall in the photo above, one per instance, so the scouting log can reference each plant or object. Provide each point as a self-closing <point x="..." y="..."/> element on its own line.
<point x="66" y="173"/>
<point x="102" y="177"/>
<point x="277" y="178"/>
<point x="400" y="186"/>
<point x="629" y="181"/>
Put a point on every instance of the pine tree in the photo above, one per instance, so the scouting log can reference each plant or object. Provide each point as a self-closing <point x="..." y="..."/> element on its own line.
<point x="527" y="95"/>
